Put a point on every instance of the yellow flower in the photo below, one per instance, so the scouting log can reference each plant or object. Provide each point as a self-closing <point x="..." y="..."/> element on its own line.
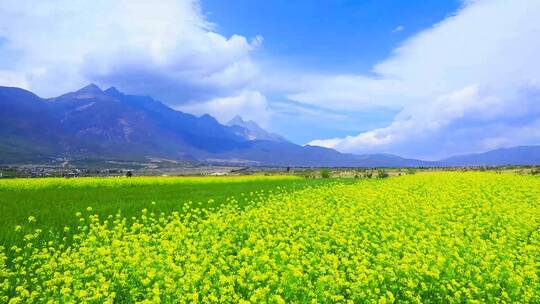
<point x="427" y="237"/>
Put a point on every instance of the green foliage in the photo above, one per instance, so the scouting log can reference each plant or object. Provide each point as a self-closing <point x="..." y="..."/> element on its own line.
<point x="411" y="171"/>
<point x="54" y="201"/>
<point x="424" y="238"/>
<point x="381" y="173"/>
<point x="325" y="173"/>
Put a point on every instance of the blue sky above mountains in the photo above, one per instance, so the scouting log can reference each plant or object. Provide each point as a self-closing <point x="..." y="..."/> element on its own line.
<point x="416" y="78"/>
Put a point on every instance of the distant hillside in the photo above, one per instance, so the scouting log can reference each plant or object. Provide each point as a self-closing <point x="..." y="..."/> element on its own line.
<point x="94" y="124"/>
<point x="523" y="155"/>
<point x="109" y="125"/>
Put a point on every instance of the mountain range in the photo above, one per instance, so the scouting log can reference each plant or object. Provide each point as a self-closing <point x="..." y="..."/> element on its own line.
<point x="252" y="131"/>
<point x="97" y="124"/>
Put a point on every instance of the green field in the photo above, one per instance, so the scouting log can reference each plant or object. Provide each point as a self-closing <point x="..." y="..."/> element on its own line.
<point x="423" y="238"/>
<point x="55" y="201"/>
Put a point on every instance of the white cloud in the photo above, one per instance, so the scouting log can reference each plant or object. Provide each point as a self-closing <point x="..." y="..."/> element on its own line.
<point x="467" y="84"/>
<point x="351" y="92"/>
<point x="398" y="29"/>
<point x="166" y="49"/>
<point x="467" y="120"/>
<point x="251" y="105"/>
<point x="12" y="79"/>
<point x="315" y="114"/>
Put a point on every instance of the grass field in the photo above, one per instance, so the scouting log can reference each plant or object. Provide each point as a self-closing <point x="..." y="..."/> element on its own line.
<point x="424" y="238"/>
<point x="53" y="202"/>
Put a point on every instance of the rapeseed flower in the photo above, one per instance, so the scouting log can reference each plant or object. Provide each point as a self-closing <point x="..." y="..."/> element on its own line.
<point x="434" y="237"/>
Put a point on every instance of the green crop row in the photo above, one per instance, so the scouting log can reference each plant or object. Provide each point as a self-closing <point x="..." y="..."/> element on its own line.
<point x="424" y="238"/>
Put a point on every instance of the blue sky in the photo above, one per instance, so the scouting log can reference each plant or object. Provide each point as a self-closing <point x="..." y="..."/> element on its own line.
<point x="423" y="79"/>
<point x="336" y="36"/>
<point x="331" y="35"/>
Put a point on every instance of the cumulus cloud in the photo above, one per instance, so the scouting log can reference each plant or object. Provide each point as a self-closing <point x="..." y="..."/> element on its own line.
<point x="469" y="83"/>
<point x="166" y="49"/>
<point x="472" y="119"/>
<point x="251" y="105"/>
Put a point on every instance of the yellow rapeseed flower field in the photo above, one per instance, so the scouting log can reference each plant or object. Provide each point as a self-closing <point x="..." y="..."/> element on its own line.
<point x="121" y="181"/>
<point x="424" y="238"/>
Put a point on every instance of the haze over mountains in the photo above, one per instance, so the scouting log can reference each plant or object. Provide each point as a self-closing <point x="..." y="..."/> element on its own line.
<point x="109" y="125"/>
<point x="252" y="131"/>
